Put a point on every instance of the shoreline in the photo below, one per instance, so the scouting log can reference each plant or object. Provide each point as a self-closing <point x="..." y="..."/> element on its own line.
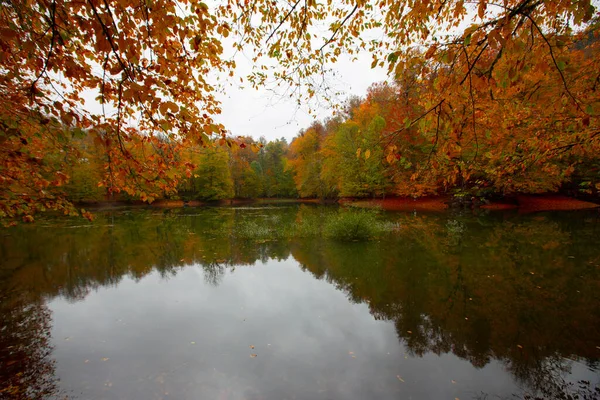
<point x="522" y="203"/>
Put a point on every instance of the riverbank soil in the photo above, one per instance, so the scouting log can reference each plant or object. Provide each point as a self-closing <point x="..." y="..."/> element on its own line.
<point x="524" y="203"/>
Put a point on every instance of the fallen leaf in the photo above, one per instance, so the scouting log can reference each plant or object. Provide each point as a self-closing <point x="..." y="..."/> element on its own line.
<point x="251" y="346"/>
<point x="453" y="381"/>
<point x="86" y="361"/>
<point x="399" y="378"/>
<point x="253" y="355"/>
<point x="350" y="352"/>
<point x="409" y="332"/>
<point x="519" y="346"/>
<point x="192" y="342"/>
<point x="104" y="359"/>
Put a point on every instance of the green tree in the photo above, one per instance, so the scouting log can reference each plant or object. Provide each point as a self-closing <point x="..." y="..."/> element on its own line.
<point x="212" y="178"/>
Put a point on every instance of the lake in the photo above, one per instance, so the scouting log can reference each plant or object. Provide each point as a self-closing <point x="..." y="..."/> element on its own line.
<point x="217" y="303"/>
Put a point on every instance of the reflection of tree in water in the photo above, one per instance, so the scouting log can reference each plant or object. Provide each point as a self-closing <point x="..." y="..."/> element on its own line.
<point x="522" y="291"/>
<point x="213" y="273"/>
<point x="476" y="288"/>
<point x="26" y="368"/>
<point x="548" y="379"/>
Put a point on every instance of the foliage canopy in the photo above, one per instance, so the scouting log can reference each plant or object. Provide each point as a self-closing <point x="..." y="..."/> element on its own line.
<point x="519" y="77"/>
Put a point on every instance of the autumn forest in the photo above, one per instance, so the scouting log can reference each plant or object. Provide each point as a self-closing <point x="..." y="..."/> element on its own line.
<point x="483" y="99"/>
<point x="425" y="228"/>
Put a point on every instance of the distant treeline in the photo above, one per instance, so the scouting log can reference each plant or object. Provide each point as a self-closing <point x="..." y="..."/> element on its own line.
<point x="386" y="144"/>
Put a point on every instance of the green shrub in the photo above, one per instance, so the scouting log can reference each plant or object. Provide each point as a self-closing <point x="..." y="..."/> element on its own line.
<point x="353" y="225"/>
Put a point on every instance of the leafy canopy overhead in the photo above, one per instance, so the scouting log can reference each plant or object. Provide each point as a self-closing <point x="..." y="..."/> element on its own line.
<point x="152" y="66"/>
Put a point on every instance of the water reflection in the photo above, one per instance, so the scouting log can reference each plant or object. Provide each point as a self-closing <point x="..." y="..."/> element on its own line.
<point x="151" y="304"/>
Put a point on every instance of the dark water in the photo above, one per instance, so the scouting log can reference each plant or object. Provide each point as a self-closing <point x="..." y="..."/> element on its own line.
<point x="152" y="304"/>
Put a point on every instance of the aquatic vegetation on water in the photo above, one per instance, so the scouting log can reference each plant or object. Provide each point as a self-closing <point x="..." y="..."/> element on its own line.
<point x="345" y="224"/>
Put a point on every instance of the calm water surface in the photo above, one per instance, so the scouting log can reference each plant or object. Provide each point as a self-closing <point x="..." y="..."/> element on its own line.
<point x="185" y="304"/>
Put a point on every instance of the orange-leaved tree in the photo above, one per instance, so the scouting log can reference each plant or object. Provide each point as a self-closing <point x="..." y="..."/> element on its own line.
<point x="149" y="66"/>
<point x="145" y="63"/>
<point x="505" y="88"/>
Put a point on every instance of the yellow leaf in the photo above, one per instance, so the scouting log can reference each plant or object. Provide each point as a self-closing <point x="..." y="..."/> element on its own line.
<point x="358" y="153"/>
<point x="367" y="154"/>
<point x="399" y="378"/>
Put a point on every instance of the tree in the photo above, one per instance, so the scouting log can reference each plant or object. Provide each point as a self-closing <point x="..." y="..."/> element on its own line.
<point x="278" y="180"/>
<point x="212" y="179"/>
<point x="521" y="78"/>
<point x="359" y="174"/>
<point x="306" y="160"/>
<point x="246" y="182"/>
<point x="150" y="65"/>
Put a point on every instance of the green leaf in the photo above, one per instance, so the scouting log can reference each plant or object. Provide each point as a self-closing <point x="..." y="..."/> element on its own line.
<point x="561" y="65"/>
<point x="392" y="57"/>
<point x="467" y="40"/>
<point x="589" y="109"/>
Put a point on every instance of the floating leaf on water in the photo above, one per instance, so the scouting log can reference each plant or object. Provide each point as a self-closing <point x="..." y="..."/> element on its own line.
<point x="453" y="381"/>
<point x="409" y="332"/>
<point x="353" y="356"/>
<point x="86" y="361"/>
<point x="519" y="346"/>
<point x="104" y="359"/>
<point x="253" y="355"/>
<point x="350" y="352"/>
<point x="399" y="378"/>
<point x="251" y="346"/>
<point x="192" y="342"/>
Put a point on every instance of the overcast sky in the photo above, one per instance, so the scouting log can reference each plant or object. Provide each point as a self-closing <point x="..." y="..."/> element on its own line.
<point x="257" y="113"/>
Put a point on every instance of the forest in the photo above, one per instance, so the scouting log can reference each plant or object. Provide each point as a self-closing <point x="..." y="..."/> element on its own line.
<point x="483" y="99"/>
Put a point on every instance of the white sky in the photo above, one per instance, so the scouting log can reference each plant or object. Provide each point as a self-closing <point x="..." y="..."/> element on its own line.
<point x="256" y="113"/>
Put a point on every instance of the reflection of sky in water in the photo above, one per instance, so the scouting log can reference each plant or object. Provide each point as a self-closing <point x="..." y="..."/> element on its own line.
<point x="183" y="338"/>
